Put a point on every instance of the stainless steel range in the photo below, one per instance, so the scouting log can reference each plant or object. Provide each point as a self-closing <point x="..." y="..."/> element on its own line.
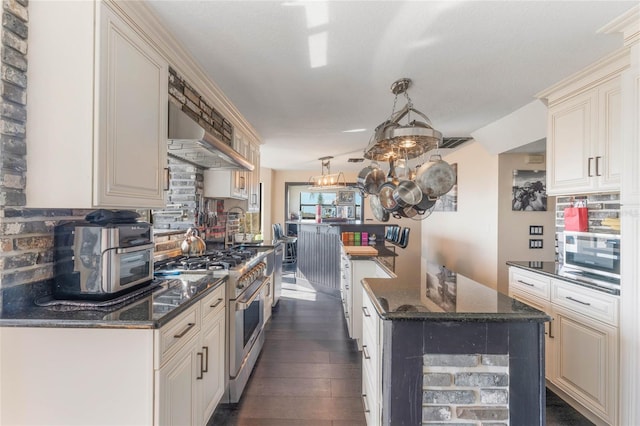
<point x="247" y="287"/>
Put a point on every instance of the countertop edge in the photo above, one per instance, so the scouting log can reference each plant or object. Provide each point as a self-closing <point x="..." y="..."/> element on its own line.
<point x="519" y="264"/>
<point x="112" y="324"/>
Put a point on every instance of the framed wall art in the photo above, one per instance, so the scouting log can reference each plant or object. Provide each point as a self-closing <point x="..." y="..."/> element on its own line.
<point x="529" y="191"/>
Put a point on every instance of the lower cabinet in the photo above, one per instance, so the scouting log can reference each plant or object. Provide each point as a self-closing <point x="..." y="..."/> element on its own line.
<point x="174" y="375"/>
<point x="372" y="339"/>
<point x="191" y="382"/>
<point x="581" y="341"/>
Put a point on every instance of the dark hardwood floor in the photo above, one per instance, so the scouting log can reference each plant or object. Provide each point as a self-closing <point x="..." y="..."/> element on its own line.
<point x="309" y="372"/>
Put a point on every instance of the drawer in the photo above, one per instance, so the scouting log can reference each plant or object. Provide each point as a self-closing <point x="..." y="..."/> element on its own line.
<point x="591" y="303"/>
<point x="529" y="282"/>
<point x="178" y="332"/>
<point x="212" y="304"/>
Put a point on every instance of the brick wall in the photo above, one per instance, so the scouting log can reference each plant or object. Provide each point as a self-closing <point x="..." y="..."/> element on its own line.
<point x="470" y="390"/>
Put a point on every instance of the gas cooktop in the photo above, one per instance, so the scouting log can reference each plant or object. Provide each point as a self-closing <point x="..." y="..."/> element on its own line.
<point x="209" y="261"/>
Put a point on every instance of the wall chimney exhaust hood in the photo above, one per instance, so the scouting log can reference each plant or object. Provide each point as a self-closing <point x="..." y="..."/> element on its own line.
<point x="189" y="142"/>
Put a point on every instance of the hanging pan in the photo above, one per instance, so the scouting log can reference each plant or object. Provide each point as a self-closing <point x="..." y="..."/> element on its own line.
<point x="436" y="177"/>
<point x="379" y="213"/>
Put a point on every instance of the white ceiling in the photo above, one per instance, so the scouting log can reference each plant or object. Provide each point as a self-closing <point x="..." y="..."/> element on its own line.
<point x="471" y="63"/>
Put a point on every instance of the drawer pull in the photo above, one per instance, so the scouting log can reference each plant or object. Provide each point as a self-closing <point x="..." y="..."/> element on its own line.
<point x="185" y="331"/>
<point x="364" y="402"/>
<point x="365" y="352"/>
<point x="578" y="301"/>
<point x="201" y="369"/>
<point x="365" y="311"/>
<point x="216" y="304"/>
<point x="526" y="283"/>
<point x="205" y="350"/>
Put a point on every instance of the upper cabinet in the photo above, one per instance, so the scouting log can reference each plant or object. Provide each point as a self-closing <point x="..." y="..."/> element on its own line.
<point x="238" y="184"/>
<point x="97" y="108"/>
<point x="584" y="130"/>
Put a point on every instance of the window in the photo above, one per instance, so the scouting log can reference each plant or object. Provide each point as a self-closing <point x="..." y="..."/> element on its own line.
<point x="329" y="205"/>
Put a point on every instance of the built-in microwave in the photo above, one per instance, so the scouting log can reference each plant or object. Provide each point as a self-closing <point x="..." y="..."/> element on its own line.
<point x="593" y="256"/>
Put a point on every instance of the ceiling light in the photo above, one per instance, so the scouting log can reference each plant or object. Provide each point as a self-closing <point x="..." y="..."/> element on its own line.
<point x="410" y="140"/>
<point x="327" y="180"/>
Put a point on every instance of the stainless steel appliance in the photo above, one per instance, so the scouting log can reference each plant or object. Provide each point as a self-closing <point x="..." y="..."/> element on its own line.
<point x="99" y="261"/>
<point x="246" y="290"/>
<point x="592" y="257"/>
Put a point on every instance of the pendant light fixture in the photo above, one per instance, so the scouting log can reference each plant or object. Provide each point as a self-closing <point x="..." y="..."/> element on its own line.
<point x="327" y="180"/>
<point x="392" y="139"/>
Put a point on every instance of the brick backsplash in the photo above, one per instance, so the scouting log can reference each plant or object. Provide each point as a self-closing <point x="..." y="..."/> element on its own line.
<point x="470" y="390"/>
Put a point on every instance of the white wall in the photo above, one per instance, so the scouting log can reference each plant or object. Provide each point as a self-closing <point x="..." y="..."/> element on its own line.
<point x="513" y="226"/>
<point x="266" y="178"/>
<point x="465" y="241"/>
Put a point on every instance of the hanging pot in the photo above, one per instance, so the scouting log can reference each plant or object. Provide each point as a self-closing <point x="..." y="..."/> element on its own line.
<point x="379" y="213"/>
<point x="370" y="178"/>
<point x="407" y="193"/>
<point x="386" y="197"/>
<point x="425" y="204"/>
<point x="408" y="212"/>
<point x="436" y="177"/>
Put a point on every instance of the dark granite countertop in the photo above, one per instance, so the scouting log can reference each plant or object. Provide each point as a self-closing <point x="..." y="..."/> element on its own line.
<point x="443" y="295"/>
<point x="555" y="270"/>
<point x="164" y="300"/>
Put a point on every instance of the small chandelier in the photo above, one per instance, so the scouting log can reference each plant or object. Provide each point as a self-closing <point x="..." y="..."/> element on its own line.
<point x="327" y="180"/>
<point x="392" y="139"/>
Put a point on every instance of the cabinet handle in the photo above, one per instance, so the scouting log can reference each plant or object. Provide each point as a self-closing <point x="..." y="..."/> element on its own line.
<point x="167" y="179"/>
<point x="589" y="167"/>
<point x="365" y="352"/>
<point x="205" y="349"/>
<point x="551" y="336"/>
<point x="598" y="166"/>
<point x="347" y="287"/>
<point x="201" y="369"/>
<point x="254" y="197"/>
<point x="526" y="283"/>
<point x="185" y="331"/>
<point x="218" y="302"/>
<point x="364" y="402"/>
<point x="365" y="311"/>
<point x="578" y="301"/>
<point x="242" y="183"/>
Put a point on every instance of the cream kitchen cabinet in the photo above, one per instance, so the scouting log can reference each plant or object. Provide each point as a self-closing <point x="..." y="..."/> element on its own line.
<point x="584" y="137"/>
<point x="117" y="376"/>
<point x="191" y="377"/>
<point x="581" y="341"/>
<point x="229" y="183"/>
<point x="372" y="341"/>
<point x="97" y="128"/>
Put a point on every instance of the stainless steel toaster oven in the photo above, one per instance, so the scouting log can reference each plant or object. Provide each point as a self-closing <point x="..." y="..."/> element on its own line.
<point x="101" y="261"/>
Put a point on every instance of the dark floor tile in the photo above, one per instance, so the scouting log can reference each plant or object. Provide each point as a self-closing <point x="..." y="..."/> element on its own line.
<point x="303" y="370"/>
<point x="352" y="422"/>
<point x="346" y="387"/>
<point x="287" y="334"/>
<point x="272" y="387"/>
<point x="559" y="413"/>
<point x="350" y="357"/>
<point x="313" y="345"/>
<point x="343" y="408"/>
<point x="272" y="354"/>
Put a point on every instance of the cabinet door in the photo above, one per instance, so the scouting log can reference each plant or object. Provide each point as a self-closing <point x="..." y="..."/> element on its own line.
<point x="571" y="132"/>
<point x="586" y="363"/>
<point x="132" y="116"/>
<point x="213" y="341"/>
<point x="178" y="387"/>
<point x="549" y="336"/>
<point x="608" y="160"/>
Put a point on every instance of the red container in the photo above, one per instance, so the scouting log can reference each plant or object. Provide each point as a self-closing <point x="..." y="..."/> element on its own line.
<point x="576" y="219"/>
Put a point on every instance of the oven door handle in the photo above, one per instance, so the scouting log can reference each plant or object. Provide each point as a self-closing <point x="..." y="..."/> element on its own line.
<point x="125" y="250"/>
<point x="241" y="305"/>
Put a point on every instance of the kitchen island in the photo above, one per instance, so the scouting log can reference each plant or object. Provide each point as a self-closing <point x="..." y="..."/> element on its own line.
<point x="447" y="349"/>
<point x="318" y="250"/>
